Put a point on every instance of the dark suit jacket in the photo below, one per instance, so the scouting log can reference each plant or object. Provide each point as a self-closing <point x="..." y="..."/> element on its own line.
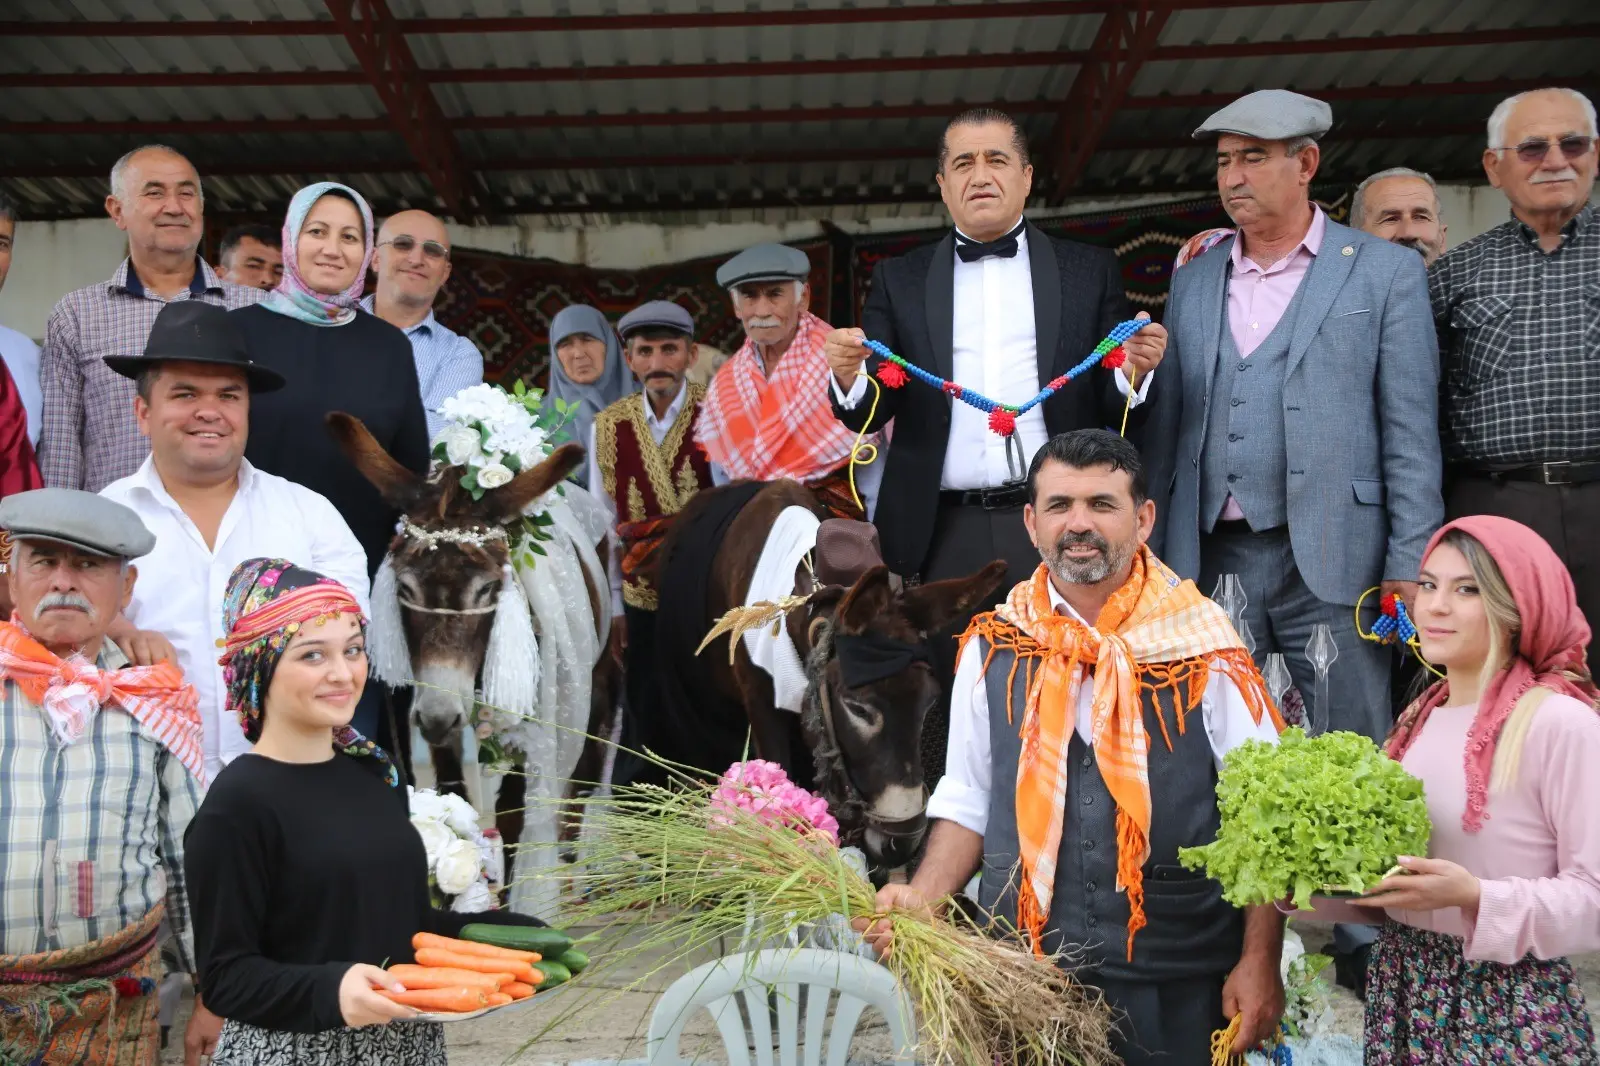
<point x="1077" y="298"/>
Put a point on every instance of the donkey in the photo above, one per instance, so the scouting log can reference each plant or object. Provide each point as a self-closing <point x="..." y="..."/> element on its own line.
<point x="862" y="741"/>
<point x="449" y="562"/>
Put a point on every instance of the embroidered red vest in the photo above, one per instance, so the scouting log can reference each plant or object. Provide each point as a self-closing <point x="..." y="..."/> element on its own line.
<point x="648" y="483"/>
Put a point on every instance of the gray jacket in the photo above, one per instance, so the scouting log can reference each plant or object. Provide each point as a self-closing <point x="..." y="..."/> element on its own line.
<point x="1360" y="409"/>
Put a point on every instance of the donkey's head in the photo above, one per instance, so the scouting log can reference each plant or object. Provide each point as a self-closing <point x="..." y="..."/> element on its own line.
<point x="449" y="559"/>
<point x="872" y="685"/>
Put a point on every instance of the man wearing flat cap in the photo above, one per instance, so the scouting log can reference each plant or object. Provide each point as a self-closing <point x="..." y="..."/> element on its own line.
<point x="1295" y="440"/>
<point x="103" y="772"/>
<point x="764" y="418"/>
<point x="645" y="466"/>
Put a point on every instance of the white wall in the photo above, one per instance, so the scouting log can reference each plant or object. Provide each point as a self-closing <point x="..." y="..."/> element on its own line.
<point x="53" y="258"/>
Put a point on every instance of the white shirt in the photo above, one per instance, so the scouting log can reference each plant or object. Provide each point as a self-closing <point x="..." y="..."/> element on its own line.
<point x="962" y="795"/>
<point x="658" y="432"/>
<point x="996" y="352"/>
<point x="22" y="360"/>
<point x="181" y="583"/>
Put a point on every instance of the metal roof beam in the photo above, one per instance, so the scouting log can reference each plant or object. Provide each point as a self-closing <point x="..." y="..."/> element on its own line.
<point x="1126" y="37"/>
<point x="381" y="48"/>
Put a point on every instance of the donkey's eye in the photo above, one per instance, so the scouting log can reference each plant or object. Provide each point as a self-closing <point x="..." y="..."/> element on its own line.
<point x="484" y="594"/>
<point x="862" y="712"/>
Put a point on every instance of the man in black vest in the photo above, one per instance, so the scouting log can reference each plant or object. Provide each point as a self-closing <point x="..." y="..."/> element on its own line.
<point x="999" y="307"/>
<point x="1088" y="840"/>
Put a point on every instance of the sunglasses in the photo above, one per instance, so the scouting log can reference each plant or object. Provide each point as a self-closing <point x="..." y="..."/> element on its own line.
<point x="405" y="243"/>
<point x="1534" y="151"/>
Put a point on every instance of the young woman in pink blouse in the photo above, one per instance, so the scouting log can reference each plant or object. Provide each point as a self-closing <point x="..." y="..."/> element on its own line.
<point x="1471" y="964"/>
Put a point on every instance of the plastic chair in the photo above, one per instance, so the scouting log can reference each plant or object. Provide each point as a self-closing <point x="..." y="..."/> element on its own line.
<point x="770" y="984"/>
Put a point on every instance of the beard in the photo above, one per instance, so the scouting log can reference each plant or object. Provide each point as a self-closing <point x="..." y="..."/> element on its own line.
<point x="1093" y="569"/>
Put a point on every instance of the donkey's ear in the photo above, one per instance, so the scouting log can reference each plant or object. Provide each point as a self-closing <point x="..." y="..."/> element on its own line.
<point x="929" y="608"/>
<point x="398" y="485"/>
<point x="868" y="598"/>
<point x="508" y="503"/>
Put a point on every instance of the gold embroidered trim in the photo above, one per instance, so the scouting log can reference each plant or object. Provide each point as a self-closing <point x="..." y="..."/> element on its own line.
<point x="657" y="458"/>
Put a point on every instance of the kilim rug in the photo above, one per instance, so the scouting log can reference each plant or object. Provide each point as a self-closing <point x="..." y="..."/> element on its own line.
<point x="505" y="303"/>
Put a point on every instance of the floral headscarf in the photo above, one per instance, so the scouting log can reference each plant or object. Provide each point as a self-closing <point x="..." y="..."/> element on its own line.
<point x="293" y="297"/>
<point x="266" y="603"/>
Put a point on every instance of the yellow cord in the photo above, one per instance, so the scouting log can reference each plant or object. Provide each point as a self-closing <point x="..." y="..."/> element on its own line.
<point x="1133" y="385"/>
<point x="1222" y="1043"/>
<point x="862" y="453"/>
<point x="1413" y="644"/>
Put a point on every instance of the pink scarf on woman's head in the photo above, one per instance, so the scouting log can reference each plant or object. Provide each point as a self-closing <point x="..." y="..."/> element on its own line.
<point x="1554" y="637"/>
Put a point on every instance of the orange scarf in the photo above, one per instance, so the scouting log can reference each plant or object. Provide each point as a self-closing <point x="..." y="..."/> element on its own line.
<point x="1154" y="632"/>
<point x="71" y="692"/>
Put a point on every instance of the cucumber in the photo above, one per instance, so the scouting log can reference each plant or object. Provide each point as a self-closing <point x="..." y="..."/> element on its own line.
<point x="554" y="974"/>
<point x="549" y="943"/>
<point x="574" y="960"/>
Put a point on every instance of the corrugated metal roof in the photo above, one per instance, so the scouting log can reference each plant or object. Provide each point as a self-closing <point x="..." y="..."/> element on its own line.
<point x="541" y="117"/>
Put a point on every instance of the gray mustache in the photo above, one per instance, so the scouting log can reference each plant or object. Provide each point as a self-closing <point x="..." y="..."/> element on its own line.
<point x="1542" y="177"/>
<point x="1093" y="540"/>
<point x="69" y="600"/>
<point x="768" y="322"/>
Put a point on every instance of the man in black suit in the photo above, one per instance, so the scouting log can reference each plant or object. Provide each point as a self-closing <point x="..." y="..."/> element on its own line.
<point x="1000" y="307"/>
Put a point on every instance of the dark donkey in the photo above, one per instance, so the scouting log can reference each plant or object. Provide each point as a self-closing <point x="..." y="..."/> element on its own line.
<point x="861" y="740"/>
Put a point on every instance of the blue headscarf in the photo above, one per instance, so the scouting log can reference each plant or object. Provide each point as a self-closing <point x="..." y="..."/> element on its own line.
<point x="614" y="382"/>
<point x="293" y="297"/>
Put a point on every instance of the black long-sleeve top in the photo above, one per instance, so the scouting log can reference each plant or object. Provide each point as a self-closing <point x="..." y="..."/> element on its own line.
<point x="365" y="368"/>
<point x="296" y="873"/>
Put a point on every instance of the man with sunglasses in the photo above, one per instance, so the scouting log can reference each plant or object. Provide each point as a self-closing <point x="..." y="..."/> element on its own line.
<point x="1519" y="336"/>
<point x="412" y="262"/>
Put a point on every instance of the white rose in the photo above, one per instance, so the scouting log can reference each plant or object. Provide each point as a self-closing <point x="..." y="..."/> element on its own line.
<point x="493" y="476"/>
<point x="436" y="837"/>
<point x="461" y="817"/>
<point x="459" y="866"/>
<point x="426" y="803"/>
<point x="476" y="898"/>
<point x="460" y="443"/>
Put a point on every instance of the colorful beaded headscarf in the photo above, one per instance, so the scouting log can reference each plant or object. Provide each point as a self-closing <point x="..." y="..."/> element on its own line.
<point x="267" y="602"/>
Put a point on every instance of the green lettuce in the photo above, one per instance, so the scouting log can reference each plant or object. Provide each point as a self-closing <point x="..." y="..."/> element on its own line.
<point x="1310" y="815"/>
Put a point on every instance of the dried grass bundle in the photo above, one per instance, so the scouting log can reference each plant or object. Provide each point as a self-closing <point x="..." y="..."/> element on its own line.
<point x="741" y="620"/>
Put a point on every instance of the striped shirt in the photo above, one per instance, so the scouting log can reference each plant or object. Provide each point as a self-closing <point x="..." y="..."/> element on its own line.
<point x="447" y="362"/>
<point x="90" y="438"/>
<point x="91" y="833"/>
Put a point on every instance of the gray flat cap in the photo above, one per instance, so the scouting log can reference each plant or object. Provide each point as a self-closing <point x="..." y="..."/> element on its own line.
<point x="662" y="314"/>
<point x="77" y="519"/>
<point x="765" y="262"/>
<point x="1270" y="115"/>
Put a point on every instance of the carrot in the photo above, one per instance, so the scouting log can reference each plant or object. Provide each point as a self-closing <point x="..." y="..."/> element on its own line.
<point x="447" y="1000"/>
<point x="498" y="999"/>
<point x="517" y="990"/>
<point x="414" y="977"/>
<point x="470" y="947"/>
<point x="450" y="960"/>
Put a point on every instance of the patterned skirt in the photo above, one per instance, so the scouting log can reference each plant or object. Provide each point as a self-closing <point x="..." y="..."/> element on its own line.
<point x="396" y="1044"/>
<point x="1427" y="1004"/>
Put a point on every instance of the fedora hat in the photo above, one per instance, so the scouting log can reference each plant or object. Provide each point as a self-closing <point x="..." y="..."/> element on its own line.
<point x="192" y="331"/>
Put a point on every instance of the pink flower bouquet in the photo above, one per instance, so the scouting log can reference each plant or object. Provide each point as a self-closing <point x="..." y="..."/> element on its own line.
<point x="761" y="788"/>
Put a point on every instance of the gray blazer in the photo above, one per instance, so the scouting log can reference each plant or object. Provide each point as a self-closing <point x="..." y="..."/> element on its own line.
<point x="1360" y="408"/>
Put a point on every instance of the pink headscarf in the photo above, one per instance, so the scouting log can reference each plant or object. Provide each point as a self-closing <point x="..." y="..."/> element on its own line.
<point x="1554" y="637"/>
<point x="293" y="297"/>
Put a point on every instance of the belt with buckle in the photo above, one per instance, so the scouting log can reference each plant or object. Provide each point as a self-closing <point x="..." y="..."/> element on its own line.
<point x="1579" y="472"/>
<point x="1001" y="499"/>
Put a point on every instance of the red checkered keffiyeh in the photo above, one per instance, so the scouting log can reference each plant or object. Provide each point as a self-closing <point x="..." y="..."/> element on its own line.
<point x="765" y="428"/>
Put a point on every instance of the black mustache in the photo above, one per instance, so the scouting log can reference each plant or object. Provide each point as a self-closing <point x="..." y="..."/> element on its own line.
<point x="1093" y="540"/>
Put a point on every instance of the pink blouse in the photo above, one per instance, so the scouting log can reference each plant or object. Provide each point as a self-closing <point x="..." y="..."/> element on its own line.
<point x="1538" y="853"/>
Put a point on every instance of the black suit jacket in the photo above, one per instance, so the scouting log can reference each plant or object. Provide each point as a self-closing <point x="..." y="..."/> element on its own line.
<point x="1077" y="298"/>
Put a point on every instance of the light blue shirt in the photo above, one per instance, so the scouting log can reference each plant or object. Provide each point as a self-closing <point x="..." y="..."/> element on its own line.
<point x="22" y="359"/>
<point x="446" y="361"/>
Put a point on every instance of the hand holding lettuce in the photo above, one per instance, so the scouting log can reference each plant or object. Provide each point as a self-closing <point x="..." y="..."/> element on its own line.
<point x="1309" y="816"/>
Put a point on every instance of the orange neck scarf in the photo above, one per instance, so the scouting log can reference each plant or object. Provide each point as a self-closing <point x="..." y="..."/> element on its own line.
<point x="71" y="692"/>
<point x="1154" y="632"/>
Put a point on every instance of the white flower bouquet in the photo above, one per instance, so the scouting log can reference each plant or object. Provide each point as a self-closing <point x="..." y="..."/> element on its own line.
<point x="464" y="868"/>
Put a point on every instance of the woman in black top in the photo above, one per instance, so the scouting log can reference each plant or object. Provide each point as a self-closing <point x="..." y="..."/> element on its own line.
<point x="284" y="856"/>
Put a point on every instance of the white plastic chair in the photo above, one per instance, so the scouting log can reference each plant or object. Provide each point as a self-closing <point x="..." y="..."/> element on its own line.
<point x="769" y="983"/>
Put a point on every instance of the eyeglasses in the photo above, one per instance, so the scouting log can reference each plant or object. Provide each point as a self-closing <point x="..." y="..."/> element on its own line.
<point x="405" y="244"/>
<point x="1534" y="150"/>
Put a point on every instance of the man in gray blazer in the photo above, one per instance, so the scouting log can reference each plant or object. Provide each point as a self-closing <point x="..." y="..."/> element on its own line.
<point x="1297" y="435"/>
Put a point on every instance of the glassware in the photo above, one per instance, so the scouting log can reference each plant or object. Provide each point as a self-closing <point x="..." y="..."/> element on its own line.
<point x="1322" y="651"/>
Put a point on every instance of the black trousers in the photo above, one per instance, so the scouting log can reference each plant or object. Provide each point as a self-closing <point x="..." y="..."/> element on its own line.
<point x="1566" y="516"/>
<point x="1164" y="1023"/>
<point x="967" y="537"/>
<point x="641" y="717"/>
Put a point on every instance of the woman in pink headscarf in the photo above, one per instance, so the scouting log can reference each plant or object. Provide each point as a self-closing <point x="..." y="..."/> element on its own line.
<point x="1471" y="964"/>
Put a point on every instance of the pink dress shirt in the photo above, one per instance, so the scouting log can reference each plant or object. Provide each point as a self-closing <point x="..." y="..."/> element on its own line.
<point x="1258" y="298"/>
<point x="1538" y="853"/>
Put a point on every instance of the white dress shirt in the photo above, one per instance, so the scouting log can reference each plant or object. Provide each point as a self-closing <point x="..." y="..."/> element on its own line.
<point x="996" y="352"/>
<point x="182" y="582"/>
<point x="962" y="795"/>
<point x="659" y="428"/>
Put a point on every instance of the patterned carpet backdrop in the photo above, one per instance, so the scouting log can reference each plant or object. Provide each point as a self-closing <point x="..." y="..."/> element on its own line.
<point x="505" y="303"/>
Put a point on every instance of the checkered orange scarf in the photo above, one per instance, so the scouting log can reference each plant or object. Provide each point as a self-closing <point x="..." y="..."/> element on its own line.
<point x="766" y="428"/>
<point x="1156" y="632"/>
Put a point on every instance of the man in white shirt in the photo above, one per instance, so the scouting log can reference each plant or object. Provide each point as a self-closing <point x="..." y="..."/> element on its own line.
<point x="1076" y="768"/>
<point x="209" y="509"/>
